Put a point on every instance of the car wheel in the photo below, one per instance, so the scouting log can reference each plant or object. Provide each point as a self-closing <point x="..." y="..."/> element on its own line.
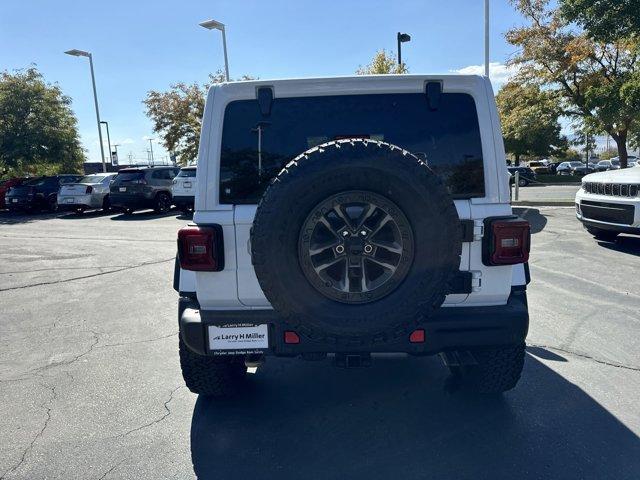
<point x="498" y="369"/>
<point x="52" y="205"/>
<point x="345" y="262"/>
<point x="211" y="376"/>
<point x="127" y="211"/>
<point x="163" y="203"/>
<point x="106" y="204"/>
<point x="599" y="234"/>
<point x="523" y="182"/>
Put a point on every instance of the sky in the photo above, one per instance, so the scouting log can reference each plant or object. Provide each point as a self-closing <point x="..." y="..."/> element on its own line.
<point x="142" y="45"/>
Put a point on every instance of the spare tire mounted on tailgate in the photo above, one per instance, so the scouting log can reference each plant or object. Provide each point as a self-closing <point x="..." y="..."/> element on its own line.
<point x="355" y="241"/>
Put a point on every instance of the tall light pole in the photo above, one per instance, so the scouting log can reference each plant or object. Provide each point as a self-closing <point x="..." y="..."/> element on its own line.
<point x="115" y="146"/>
<point x="402" y="38"/>
<point x="108" y="141"/>
<point x="151" y="146"/>
<point x="486" y="38"/>
<point x="214" y="25"/>
<point x="81" y="53"/>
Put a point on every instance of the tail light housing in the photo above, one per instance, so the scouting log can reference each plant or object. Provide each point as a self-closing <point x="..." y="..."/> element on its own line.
<point x="507" y="241"/>
<point x="201" y="249"/>
<point x="89" y="189"/>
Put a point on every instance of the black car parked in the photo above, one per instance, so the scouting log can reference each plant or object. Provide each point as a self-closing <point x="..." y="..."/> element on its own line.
<point x="38" y="193"/>
<point x="525" y="174"/>
<point x="143" y="187"/>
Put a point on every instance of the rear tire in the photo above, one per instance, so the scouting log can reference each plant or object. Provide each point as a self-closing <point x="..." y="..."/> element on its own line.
<point x="162" y="203"/>
<point x="211" y="376"/>
<point x="523" y="182"/>
<point x="498" y="369"/>
<point x="599" y="234"/>
<point x="52" y="205"/>
<point x="106" y="204"/>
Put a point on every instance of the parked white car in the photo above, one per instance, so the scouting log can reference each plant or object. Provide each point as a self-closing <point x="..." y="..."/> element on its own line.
<point x="609" y="203"/>
<point x="90" y="192"/>
<point x="183" y="189"/>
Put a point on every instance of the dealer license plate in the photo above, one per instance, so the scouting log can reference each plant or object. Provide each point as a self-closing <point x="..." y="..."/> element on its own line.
<point x="123" y="189"/>
<point x="14" y="200"/>
<point x="245" y="338"/>
<point x="68" y="200"/>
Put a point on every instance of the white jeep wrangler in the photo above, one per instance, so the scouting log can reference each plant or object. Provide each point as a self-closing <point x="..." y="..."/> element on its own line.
<point x="348" y="217"/>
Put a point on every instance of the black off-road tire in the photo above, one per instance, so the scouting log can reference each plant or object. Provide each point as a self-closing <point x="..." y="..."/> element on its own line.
<point x="212" y="376"/>
<point x="362" y="166"/>
<point x="599" y="234"/>
<point x="106" y="204"/>
<point x="162" y="202"/>
<point x="498" y="369"/>
<point x="52" y="205"/>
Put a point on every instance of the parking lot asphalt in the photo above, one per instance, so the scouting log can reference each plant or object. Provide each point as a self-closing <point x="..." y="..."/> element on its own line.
<point x="90" y="385"/>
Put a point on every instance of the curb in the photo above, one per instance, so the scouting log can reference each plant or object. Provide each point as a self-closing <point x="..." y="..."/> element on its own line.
<point x="544" y="203"/>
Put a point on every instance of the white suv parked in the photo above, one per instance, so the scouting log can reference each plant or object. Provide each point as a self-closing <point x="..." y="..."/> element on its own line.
<point x="183" y="189"/>
<point x="352" y="216"/>
<point x="609" y="203"/>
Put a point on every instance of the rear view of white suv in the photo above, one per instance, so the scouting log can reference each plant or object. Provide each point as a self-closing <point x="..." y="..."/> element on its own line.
<point x="346" y="217"/>
<point x="183" y="189"/>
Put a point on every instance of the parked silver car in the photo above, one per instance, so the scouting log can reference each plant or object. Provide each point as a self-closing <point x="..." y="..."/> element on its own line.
<point x="90" y="192"/>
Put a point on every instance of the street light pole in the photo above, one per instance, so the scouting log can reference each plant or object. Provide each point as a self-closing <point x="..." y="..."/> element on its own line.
<point x="486" y="38"/>
<point x="151" y="146"/>
<point x="215" y="25"/>
<point x="81" y="53"/>
<point x="402" y="38"/>
<point x="108" y="142"/>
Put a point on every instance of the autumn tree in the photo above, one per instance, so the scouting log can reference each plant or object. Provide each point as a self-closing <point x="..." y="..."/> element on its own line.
<point x="606" y="20"/>
<point x="529" y="118"/>
<point x="597" y="82"/>
<point x="177" y="115"/>
<point x="38" y="130"/>
<point x="383" y="63"/>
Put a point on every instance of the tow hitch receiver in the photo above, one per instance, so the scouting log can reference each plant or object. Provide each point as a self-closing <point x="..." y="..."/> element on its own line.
<point x="352" y="360"/>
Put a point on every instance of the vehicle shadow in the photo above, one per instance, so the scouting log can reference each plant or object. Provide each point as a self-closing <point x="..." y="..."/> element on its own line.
<point x="86" y="214"/>
<point x="141" y="215"/>
<point x="12" y="218"/>
<point x="533" y="215"/>
<point x="624" y="244"/>
<point x="395" y="420"/>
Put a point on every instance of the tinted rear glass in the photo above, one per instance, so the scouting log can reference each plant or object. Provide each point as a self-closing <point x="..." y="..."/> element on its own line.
<point x="447" y="138"/>
<point x="187" y="172"/>
<point x="124" y="177"/>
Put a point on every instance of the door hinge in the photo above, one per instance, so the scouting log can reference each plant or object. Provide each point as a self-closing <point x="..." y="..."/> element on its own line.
<point x="476" y="280"/>
<point x="472" y="230"/>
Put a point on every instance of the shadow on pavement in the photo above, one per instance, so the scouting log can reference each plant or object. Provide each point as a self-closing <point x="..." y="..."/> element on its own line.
<point x="12" y="218"/>
<point x="395" y="421"/>
<point x="535" y="218"/>
<point x="142" y="215"/>
<point x="624" y="244"/>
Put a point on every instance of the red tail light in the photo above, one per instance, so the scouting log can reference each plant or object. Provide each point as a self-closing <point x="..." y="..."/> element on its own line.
<point x="507" y="241"/>
<point x="291" y="337"/>
<point x="201" y="248"/>
<point x="89" y="189"/>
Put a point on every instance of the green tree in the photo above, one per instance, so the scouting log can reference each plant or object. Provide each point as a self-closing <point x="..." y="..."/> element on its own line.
<point x="38" y="132"/>
<point x="608" y="153"/>
<point x="606" y="20"/>
<point x="529" y="118"/>
<point x="598" y="82"/>
<point x="177" y="115"/>
<point x="383" y="63"/>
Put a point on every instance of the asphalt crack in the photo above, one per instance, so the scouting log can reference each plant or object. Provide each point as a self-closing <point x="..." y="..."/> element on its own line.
<point x="156" y="421"/>
<point x="585" y="356"/>
<point x="55" y="282"/>
<point x="48" y="407"/>
<point x="148" y="340"/>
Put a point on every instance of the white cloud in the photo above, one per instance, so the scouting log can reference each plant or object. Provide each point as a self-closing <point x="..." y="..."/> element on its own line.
<point x="498" y="72"/>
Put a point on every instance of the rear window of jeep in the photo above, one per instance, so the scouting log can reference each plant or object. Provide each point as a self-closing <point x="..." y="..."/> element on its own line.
<point x="255" y="147"/>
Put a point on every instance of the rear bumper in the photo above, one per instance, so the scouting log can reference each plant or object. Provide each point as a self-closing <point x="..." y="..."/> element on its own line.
<point x="20" y="203"/>
<point x="78" y="201"/>
<point x="134" y="202"/>
<point x="451" y="328"/>
<point x="183" y="200"/>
